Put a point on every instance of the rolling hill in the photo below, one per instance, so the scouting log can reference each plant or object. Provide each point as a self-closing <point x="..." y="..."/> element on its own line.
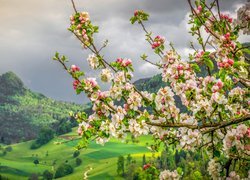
<point x="23" y="112"/>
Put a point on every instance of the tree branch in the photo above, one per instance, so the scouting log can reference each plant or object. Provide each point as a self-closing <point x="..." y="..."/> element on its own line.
<point x="74" y="7"/>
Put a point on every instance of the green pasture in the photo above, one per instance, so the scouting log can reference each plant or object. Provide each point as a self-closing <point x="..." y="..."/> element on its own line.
<point x="18" y="164"/>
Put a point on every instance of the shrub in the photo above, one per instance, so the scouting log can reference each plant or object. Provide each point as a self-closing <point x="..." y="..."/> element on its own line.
<point x="36" y="161"/>
<point x="44" y="136"/>
<point x="33" y="176"/>
<point x="8" y="148"/>
<point x="78" y="161"/>
<point x="47" y="175"/>
<point x="63" y="170"/>
<point x="76" y="153"/>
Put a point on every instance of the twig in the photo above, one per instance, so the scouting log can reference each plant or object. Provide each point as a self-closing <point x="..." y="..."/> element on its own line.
<point x="74" y="7"/>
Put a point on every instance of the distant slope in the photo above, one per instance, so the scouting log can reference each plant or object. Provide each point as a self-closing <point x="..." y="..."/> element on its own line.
<point x="23" y="112"/>
<point x="18" y="164"/>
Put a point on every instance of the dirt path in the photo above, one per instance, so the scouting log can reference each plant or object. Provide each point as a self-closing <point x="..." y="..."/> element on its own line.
<point x="86" y="173"/>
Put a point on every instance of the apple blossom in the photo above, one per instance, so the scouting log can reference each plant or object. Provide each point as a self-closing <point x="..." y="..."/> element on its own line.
<point x="93" y="61"/>
<point x="106" y="75"/>
<point x="168" y="175"/>
<point x="158" y="41"/>
<point x="214" y="169"/>
<point x="75" y="68"/>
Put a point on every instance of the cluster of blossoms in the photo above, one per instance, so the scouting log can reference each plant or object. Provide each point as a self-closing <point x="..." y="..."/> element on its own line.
<point x="124" y="62"/>
<point x="158" y="41"/>
<point x="226" y="17"/>
<point x="81" y="21"/>
<point x="168" y="175"/>
<point x="198" y="56"/>
<point x="233" y="176"/>
<point x="165" y="103"/>
<point x="236" y="138"/>
<point x="217" y="86"/>
<point x="226" y="63"/>
<point x="138" y="128"/>
<point x="90" y="84"/>
<point x="226" y="42"/>
<point x="214" y="169"/>
<point x="189" y="139"/>
<point x="76" y="84"/>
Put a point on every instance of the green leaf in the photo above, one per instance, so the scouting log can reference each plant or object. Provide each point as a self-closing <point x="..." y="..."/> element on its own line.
<point x="222" y="74"/>
<point x="133" y="19"/>
<point x="144" y="56"/>
<point x="216" y="153"/>
<point x="246" y="50"/>
<point x="209" y="63"/>
<point x="195" y="67"/>
<point x="56" y="57"/>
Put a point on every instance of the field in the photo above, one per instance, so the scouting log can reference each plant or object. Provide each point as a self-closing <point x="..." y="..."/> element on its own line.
<point x="97" y="161"/>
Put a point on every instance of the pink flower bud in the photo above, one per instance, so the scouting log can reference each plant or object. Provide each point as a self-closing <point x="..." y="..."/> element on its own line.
<point x="146" y="166"/>
<point x="220" y="64"/>
<point x="227" y="36"/>
<point x="92" y="82"/>
<point x="72" y="18"/>
<point x="199" y="8"/>
<point x="79" y="131"/>
<point x="128" y="62"/>
<point x="219" y="83"/>
<point x="79" y="26"/>
<point x="119" y="60"/>
<point x="136" y="13"/>
<point x="226" y="65"/>
<point x="75" y="84"/>
<point x="247" y="147"/>
<point x="248" y="133"/>
<point x="230" y="61"/>
<point x="75" y="68"/>
<point x="179" y="67"/>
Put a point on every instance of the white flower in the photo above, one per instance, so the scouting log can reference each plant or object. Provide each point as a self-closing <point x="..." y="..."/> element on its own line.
<point x="134" y="101"/>
<point x="241" y="130"/>
<point x="138" y="129"/>
<point x="119" y="77"/>
<point x="233" y="176"/>
<point x="106" y="75"/>
<point x="101" y="141"/>
<point x="116" y="92"/>
<point x="189" y="138"/>
<point x="219" y="98"/>
<point x="90" y="83"/>
<point x="93" y="61"/>
<point x="168" y="175"/>
<point x="214" y="169"/>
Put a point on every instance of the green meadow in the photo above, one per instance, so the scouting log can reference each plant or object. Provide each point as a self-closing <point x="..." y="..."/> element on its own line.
<point x="102" y="160"/>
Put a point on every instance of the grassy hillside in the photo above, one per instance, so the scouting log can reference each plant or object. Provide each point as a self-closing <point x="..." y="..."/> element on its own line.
<point x="23" y="112"/>
<point x="18" y="164"/>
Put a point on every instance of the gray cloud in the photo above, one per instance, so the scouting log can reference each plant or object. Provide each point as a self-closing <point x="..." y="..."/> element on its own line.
<point x="32" y="30"/>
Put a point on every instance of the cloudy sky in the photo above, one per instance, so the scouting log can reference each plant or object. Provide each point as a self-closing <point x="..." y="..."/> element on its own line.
<point x="32" y="30"/>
